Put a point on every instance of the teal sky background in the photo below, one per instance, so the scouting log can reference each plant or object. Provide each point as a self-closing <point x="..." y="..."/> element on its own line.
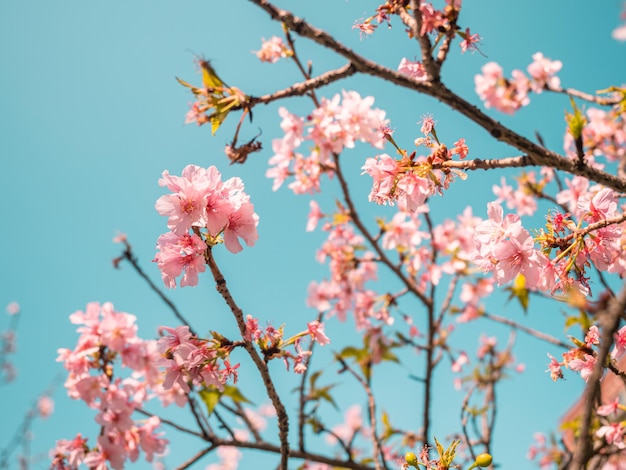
<point x="92" y="114"/>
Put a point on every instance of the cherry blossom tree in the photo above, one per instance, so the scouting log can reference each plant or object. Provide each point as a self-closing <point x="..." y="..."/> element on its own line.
<point x="405" y="283"/>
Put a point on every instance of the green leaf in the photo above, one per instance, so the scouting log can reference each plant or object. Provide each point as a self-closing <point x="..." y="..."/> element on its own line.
<point x="210" y="397"/>
<point x="235" y="394"/>
<point x="519" y="291"/>
<point x="209" y="75"/>
<point x="576" y="121"/>
<point x="313" y="378"/>
<point x="194" y="89"/>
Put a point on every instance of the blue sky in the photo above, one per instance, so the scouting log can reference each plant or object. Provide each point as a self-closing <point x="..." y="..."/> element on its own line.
<point x="92" y="115"/>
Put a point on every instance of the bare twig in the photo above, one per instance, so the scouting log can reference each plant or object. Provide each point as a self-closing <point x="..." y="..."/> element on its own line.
<point x="530" y="331"/>
<point x="128" y="255"/>
<point x="371" y="407"/>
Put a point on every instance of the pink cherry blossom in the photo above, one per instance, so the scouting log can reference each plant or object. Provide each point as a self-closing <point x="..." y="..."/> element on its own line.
<point x="415" y="70"/>
<point x="502" y="94"/>
<point x="542" y="71"/>
<point x="272" y="50"/>
<point x="180" y="255"/>
<point x="316" y="330"/>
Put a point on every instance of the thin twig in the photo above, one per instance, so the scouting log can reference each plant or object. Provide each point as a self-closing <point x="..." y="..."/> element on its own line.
<point x="281" y="413"/>
<point x="171" y="424"/>
<point x="128" y="255"/>
<point x="371" y="407"/>
<point x="530" y="331"/>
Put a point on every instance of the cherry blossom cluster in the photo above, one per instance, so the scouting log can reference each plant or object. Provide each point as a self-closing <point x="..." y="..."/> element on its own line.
<point x="612" y="427"/>
<point x="509" y="95"/>
<point x="108" y="336"/>
<point x="434" y="22"/>
<point x="272" y="50"/>
<point x="411" y="180"/>
<point x="337" y="123"/>
<point x="506" y="249"/>
<point x="546" y="454"/>
<point x="189" y="360"/>
<point x="583" y="357"/>
<point x="351" y="267"/>
<point x="272" y="344"/>
<point x="523" y="200"/>
<point x="604" y="134"/>
<point x="575" y="246"/>
<point x="202" y="211"/>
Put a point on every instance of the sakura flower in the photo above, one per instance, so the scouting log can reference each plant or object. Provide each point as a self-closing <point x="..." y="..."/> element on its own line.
<point x="613" y="434"/>
<point x="13" y="308"/>
<point x="316" y="330"/>
<point x="180" y="255"/>
<point x="609" y="408"/>
<point x="272" y="50"/>
<point x="45" y="406"/>
<point x="543" y="70"/>
<point x="469" y="41"/>
<point x="502" y="94"/>
<point x="583" y="365"/>
<point x="415" y="70"/>
<point x="554" y="368"/>
<point x="315" y="214"/>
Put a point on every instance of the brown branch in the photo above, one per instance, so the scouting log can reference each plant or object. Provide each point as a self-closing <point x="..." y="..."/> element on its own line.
<point x="464" y="416"/>
<point x="592" y="227"/>
<point x="172" y="424"/>
<point x="293" y="453"/>
<point x="301" y="88"/>
<point x="281" y="413"/>
<point x="431" y="67"/>
<point x="480" y="164"/>
<point x="195" y="458"/>
<point x="609" y="320"/>
<point x="602" y="101"/>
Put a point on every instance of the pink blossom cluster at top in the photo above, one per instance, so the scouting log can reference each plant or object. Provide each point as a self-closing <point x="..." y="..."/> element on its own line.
<point x="190" y="360"/>
<point x="336" y="124"/>
<point x="509" y="95"/>
<point x="208" y="207"/>
<point x="106" y="336"/>
<point x="272" y="50"/>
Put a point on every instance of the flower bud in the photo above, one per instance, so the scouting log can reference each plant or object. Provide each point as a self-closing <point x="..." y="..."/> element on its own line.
<point x="411" y="459"/>
<point x="483" y="460"/>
